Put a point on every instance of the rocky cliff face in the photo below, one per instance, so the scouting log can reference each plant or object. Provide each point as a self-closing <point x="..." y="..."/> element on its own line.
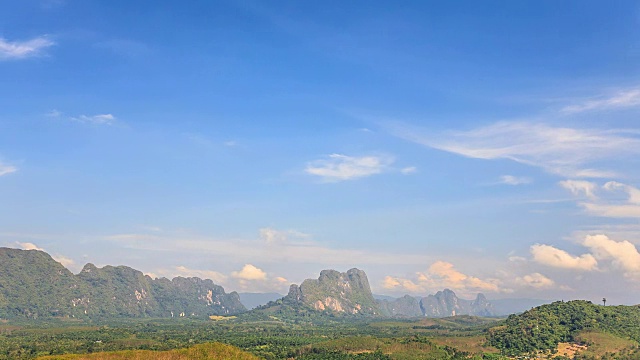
<point x="442" y="304"/>
<point x="34" y="285"/>
<point x="406" y="306"/>
<point x="446" y="303"/>
<point x="333" y="291"/>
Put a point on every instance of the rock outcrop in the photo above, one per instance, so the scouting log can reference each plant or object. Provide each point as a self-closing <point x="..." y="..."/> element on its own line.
<point x="333" y="291"/>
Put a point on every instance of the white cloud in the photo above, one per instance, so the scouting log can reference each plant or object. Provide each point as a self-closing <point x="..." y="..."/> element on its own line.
<point x="535" y="280"/>
<point x="29" y="246"/>
<point x="340" y="167"/>
<point x="65" y="261"/>
<point x="100" y="119"/>
<point x="275" y="236"/>
<point x="608" y="204"/>
<point x="441" y="275"/>
<point x="558" y="150"/>
<point x="551" y="256"/>
<point x="632" y="192"/>
<point x="515" y="180"/>
<point x="623" y="254"/>
<point x="215" y="276"/>
<point x="272" y="246"/>
<point x="249" y="278"/>
<point x="409" y="170"/>
<point x="7" y="169"/>
<point x="395" y="283"/>
<point x="23" y="49"/>
<point x="623" y="99"/>
<point x="53" y="113"/>
<point x="580" y="187"/>
<point x="250" y="272"/>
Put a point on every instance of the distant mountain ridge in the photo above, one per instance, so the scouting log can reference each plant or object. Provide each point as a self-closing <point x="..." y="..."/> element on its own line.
<point x="442" y="304"/>
<point x="349" y="293"/>
<point x="33" y="285"/>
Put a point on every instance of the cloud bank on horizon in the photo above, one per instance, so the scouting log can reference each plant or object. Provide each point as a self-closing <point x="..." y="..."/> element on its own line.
<point x="248" y="146"/>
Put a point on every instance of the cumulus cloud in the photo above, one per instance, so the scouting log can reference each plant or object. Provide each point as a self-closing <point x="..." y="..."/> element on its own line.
<point x="250" y="272"/>
<point x="395" y="283"/>
<point x="551" y="256"/>
<point x="515" y="180"/>
<point x="623" y="99"/>
<point x="23" y="49"/>
<point x="535" y="280"/>
<point x="29" y="246"/>
<point x="441" y="275"/>
<point x="608" y="203"/>
<point x="100" y="119"/>
<point x="622" y="254"/>
<point x="338" y="167"/>
<point x="558" y="150"/>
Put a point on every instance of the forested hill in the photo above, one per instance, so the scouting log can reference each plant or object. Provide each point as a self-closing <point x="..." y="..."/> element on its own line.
<point x="543" y="327"/>
<point x="33" y="285"/>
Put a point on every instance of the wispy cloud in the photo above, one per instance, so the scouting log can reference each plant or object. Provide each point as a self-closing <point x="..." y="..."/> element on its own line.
<point x="271" y="246"/>
<point x="6" y="169"/>
<point x="580" y="187"/>
<point x="409" y="170"/>
<point x="535" y="280"/>
<point x="23" y="49"/>
<point x="611" y="200"/>
<point x="623" y="99"/>
<point x="558" y="150"/>
<point x="100" y="119"/>
<point x="515" y="180"/>
<point x="338" y="167"/>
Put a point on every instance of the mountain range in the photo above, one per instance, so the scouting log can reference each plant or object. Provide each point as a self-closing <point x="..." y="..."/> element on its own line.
<point x="34" y="285"/>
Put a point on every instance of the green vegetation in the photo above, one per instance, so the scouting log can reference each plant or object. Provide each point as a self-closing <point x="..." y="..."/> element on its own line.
<point x="34" y="286"/>
<point x="542" y="328"/>
<point x="334" y="337"/>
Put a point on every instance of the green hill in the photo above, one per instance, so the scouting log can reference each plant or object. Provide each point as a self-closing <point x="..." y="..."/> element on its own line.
<point x="543" y="327"/>
<point x="33" y="285"/>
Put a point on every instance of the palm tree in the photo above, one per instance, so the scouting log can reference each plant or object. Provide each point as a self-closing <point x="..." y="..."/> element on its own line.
<point x="604" y="301"/>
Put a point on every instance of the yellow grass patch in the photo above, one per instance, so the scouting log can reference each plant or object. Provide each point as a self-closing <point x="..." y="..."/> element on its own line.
<point x="209" y="351"/>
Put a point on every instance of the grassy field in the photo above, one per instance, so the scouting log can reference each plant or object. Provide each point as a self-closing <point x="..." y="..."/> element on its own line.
<point x="210" y="351"/>
<point x="599" y="343"/>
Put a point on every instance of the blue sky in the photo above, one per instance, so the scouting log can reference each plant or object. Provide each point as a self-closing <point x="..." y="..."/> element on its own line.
<point x="483" y="146"/>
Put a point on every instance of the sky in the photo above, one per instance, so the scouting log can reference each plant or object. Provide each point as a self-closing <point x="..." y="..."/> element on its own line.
<point x="480" y="146"/>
